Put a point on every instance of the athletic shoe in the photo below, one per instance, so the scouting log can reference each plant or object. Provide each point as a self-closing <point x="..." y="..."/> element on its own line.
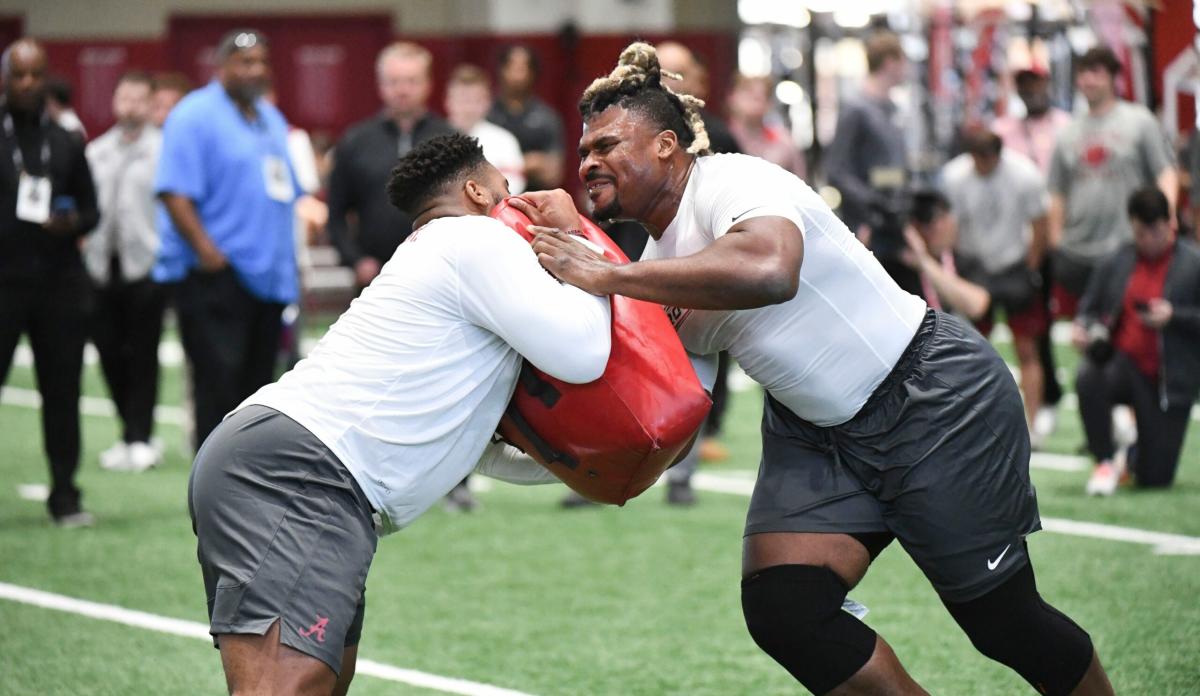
<point x="1104" y="480"/>
<point x="681" y="493"/>
<point x="1124" y="426"/>
<point x="711" y="450"/>
<point x="1044" y="422"/>
<point x="1036" y="440"/>
<point x="573" y="501"/>
<point x="74" y="520"/>
<point x="115" y="458"/>
<point x="142" y="456"/>
<point x="460" y="499"/>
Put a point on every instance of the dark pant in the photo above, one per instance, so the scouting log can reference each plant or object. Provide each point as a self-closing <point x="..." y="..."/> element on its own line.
<point x="231" y="339"/>
<point x="126" y="326"/>
<point x="1051" y="389"/>
<point x="1160" y="433"/>
<point x="720" y="396"/>
<point x="54" y="316"/>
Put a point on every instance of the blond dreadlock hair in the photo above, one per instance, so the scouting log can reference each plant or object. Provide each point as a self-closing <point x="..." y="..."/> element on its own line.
<point x="636" y="84"/>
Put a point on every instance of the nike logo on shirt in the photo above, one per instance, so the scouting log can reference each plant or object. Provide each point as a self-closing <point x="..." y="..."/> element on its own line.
<point x="992" y="564"/>
<point x="735" y="217"/>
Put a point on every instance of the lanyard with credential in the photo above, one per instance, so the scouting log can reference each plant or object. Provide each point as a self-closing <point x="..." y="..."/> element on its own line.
<point x="17" y="157"/>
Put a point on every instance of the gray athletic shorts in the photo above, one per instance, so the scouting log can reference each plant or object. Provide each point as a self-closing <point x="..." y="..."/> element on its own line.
<point x="938" y="457"/>
<point x="283" y="533"/>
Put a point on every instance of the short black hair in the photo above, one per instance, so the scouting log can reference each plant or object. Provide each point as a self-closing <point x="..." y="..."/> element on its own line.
<point x="507" y="52"/>
<point x="1100" y="57"/>
<point x="982" y="142"/>
<point x="430" y="167"/>
<point x="927" y="204"/>
<point x="58" y="89"/>
<point x="1149" y="206"/>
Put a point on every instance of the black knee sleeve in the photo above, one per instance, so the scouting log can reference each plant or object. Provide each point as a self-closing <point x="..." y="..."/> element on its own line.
<point x="794" y="613"/>
<point x="1014" y="626"/>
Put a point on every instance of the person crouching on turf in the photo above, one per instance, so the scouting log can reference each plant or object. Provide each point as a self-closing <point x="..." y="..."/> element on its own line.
<point x="1137" y="328"/>
<point x="883" y="418"/>
<point x="393" y="407"/>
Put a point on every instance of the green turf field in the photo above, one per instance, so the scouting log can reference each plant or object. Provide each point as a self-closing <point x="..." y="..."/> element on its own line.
<point x="521" y="595"/>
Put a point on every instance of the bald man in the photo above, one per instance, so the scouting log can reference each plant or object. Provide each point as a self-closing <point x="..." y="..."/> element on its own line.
<point x="47" y="202"/>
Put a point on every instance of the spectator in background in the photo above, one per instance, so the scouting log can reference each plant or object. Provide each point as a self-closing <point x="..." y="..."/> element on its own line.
<point x="1034" y="135"/>
<point x="1139" y="331"/>
<point x="930" y="237"/>
<point x="468" y="99"/>
<point x="1100" y="159"/>
<point x="366" y="154"/>
<point x="868" y="160"/>
<point x="756" y="133"/>
<point x="119" y="255"/>
<point x="693" y="79"/>
<point x="228" y="192"/>
<point x="47" y="203"/>
<point x="58" y="107"/>
<point x="537" y="127"/>
<point x="168" y="90"/>
<point x="998" y="199"/>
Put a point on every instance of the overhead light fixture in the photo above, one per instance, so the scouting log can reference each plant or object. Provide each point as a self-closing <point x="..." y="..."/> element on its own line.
<point x="791" y="14"/>
<point x="754" y="57"/>
<point x="789" y="92"/>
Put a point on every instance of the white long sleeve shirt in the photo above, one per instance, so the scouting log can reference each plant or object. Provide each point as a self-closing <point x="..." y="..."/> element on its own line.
<point x="408" y="385"/>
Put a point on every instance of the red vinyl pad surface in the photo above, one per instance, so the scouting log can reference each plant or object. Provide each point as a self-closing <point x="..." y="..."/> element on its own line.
<point x="610" y="439"/>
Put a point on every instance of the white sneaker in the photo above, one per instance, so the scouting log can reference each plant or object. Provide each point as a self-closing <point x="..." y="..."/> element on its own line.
<point x="115" y="458"/>
<point x="1124" y="426"/>
<point x="1044" y="422"/>
<point x="143" y="456"/>
<point x="1104" y="480"/>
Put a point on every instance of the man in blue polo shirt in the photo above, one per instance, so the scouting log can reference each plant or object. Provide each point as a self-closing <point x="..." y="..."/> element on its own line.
<point x="227" y="190"/>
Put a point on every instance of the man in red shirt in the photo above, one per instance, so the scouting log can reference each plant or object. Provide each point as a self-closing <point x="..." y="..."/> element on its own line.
<point x="1139" y="329"/>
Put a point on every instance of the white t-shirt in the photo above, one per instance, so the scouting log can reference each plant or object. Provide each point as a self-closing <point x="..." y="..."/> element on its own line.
<point x="823" y="352"/>
<point x="994" y="212"/>
<point x="408" y="385"/>
<point x="504" y="152"/>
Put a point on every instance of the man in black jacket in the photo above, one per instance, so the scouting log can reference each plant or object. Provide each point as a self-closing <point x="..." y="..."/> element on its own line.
<point x="1139" y="330"/>
<point x="364" y="227"/>
<point x="47" y="202"/>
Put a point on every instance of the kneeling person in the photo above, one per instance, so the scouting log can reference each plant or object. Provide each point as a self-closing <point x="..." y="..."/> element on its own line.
<point x="394" y="406"/>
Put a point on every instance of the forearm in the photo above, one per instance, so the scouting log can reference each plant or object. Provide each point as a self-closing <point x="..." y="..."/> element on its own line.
<point x="704" y="280"/>
<point x="1168" y="183"/>
<point x="185" y="218"/>
<point x="1039" y="242"/>
<point x="1055" y="217"/>
<point x="961" y="295"/>
<point x="506" y="463"/>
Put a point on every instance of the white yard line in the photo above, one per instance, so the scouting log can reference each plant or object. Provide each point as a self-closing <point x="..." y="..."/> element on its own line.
<point x="192" y="629"/>
<point x="88" y="405"/>
<point x="1162" y="543"/>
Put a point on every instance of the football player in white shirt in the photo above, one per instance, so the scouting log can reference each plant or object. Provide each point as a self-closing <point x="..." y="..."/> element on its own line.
<point x="395" y="404"/>
<point x="883" y="419"/>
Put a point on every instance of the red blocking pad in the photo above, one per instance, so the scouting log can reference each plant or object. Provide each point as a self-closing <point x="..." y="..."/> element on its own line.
<point x="610" y="439"/>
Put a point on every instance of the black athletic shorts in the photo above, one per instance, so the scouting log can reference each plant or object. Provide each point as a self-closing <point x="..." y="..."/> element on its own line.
<point x="938" y="457"/>
<point x="283" y="533"/>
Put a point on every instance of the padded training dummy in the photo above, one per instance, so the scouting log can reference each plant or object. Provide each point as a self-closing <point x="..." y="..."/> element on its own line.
<point x="610" y="439"/>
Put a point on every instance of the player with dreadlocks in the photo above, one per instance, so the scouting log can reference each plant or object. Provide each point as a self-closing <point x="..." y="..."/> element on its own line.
<point x="393" y="407"/>
<point x="882" y="419"/>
